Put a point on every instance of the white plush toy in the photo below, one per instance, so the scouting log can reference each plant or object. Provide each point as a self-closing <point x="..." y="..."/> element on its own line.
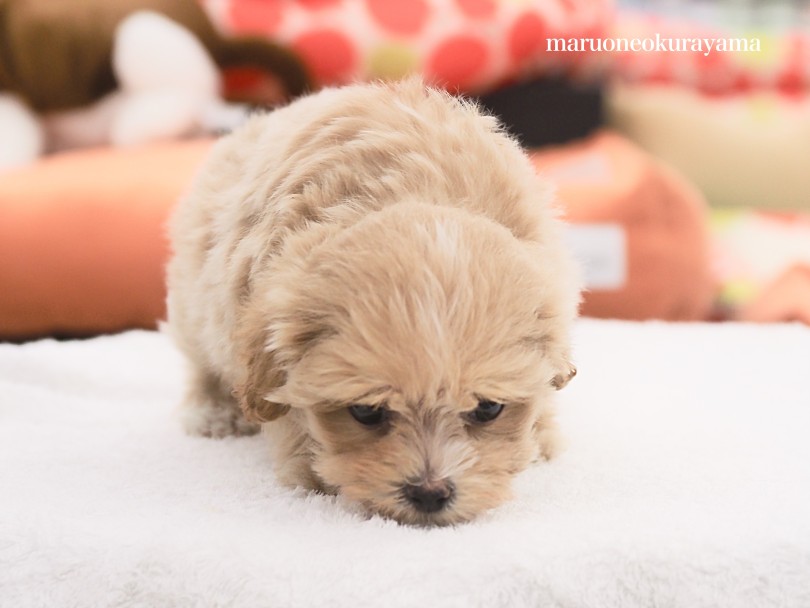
<point x="168" y="87"/>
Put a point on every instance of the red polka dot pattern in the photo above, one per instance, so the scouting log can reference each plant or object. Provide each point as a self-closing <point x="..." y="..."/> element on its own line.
<point x="527" y="37"/>
<point x="329" y="53"/>
<point x="398" y="16"/>
<point x="500" y="41"/>
<point x="456" y="61"/>
<point x="477" y="9"/>
<point x="783" y="68"/>
<point x="466" y="44"/>
<point x="256" y="16"/>
<point x="319" y="4"/>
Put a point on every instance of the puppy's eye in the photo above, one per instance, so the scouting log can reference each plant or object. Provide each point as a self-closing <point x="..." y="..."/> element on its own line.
<point x="486" y="411"/>
<point x="368" y="415"/>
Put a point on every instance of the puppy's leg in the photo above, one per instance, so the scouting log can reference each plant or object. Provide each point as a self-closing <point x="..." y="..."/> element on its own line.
<point x="548" y="437"/>
<point x="210" y="410"/>
<point x="293" y="453"/>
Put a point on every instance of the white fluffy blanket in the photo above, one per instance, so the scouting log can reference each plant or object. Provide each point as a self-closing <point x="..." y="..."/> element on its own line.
<point x="685" y="483"/>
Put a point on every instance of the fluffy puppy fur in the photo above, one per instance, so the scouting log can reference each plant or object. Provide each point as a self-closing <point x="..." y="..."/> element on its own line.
<point x="381" y="246"/>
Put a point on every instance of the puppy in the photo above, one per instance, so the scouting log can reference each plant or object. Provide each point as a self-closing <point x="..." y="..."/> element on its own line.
<point x="375" y="275"/>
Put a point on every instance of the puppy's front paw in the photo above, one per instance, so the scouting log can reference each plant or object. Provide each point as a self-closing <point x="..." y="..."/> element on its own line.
<point x="217" y="421"/>
<point x="551" y="443"/>
<point x="549" y="439"/>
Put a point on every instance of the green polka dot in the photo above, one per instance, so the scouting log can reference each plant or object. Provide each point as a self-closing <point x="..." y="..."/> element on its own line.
<point x="771" y="51"/>
<point x="392" y="61"/>
<point x="723" y="219"/>
<point x="738" y="291"/>
<point x="763" y="109"/>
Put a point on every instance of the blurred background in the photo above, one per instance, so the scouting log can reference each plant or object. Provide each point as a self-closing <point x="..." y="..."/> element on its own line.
<point x="685" y="174"/>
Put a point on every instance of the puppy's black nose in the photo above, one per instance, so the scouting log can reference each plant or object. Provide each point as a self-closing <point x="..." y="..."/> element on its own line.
<point x="429" y="498"/>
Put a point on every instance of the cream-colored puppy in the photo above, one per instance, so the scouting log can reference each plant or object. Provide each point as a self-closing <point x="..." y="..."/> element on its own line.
<point x="375" y="274"/>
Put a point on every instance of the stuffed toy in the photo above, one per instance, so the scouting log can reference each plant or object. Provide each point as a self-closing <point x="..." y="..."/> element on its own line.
<point x="91" y="72"/>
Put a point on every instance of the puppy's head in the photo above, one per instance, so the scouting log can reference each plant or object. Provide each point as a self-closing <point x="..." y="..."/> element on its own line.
<point x="419" y="350"/>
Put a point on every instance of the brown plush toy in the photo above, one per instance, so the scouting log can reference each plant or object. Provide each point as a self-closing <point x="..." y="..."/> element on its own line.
<point x="60" y="56"/>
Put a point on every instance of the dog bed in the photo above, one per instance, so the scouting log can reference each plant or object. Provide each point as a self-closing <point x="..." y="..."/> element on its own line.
<point x="685" y="483"/>
<point x="88" y="254"/>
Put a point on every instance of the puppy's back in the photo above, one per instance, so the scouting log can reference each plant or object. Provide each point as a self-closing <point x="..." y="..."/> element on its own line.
<point x="328" y="160"/>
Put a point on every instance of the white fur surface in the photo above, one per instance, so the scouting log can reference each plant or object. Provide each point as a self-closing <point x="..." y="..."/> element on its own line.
<point x="685" y="483"/>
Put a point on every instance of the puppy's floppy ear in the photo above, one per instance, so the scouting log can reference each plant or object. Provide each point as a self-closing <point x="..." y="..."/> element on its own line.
<point x="271" y="352"/>
<point x="552" y="339"/>
<point x="264" y="376"/>
<point x="563" y="378"/>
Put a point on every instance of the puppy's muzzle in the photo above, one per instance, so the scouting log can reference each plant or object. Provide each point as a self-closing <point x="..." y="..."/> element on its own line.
<point x="429" y="498"/>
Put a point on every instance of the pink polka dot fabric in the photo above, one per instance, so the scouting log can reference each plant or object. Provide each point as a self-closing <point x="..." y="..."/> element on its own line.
<point x="467" y="45"/>
<point x="782" y="63"/>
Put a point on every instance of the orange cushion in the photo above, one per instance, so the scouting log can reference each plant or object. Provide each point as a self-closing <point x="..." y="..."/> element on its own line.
<point x="83" y="247"/>
<point x="82" y="243"/>
<point x="605" y="179"/>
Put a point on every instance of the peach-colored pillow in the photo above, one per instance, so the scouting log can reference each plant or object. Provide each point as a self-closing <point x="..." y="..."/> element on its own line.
<point x="82" y="243"/>
<point x="83" y="247"/>
<point x="606" y="180"/>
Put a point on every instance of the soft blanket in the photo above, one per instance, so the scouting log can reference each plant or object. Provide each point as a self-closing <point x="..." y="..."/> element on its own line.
<point x="685" y="483"/>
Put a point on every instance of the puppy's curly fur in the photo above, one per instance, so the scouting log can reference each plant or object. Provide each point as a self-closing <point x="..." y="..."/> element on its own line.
<point x="386" y="246"/>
